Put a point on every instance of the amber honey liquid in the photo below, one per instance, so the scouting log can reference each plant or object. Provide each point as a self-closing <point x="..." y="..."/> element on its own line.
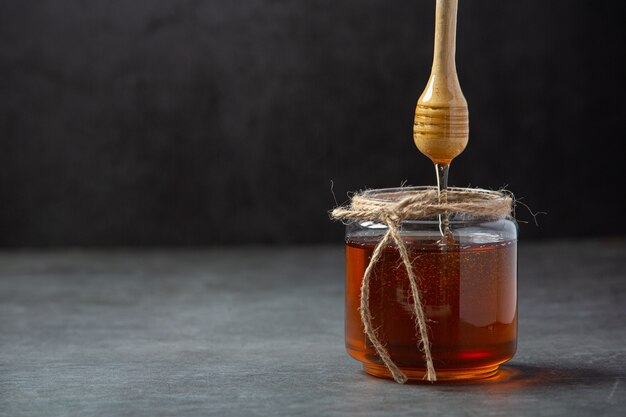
<point x="469" y="294"/>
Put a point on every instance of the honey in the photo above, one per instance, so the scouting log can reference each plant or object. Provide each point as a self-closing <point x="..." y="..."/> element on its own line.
<point x="468" y="289"/>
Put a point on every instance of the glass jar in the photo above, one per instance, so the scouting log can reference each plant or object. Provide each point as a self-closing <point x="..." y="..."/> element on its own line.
<point x="468" y="288"/>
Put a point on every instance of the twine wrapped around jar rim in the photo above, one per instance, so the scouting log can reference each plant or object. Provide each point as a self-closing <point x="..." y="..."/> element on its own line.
<point x="414" y="203"/>
<point x="391" y="207"/>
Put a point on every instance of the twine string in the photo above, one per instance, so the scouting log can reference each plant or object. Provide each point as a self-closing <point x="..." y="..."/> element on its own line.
<point x="366" y="315"/>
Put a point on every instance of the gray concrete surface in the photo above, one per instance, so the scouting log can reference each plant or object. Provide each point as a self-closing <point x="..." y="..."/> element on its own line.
<point x="258" y="332"/>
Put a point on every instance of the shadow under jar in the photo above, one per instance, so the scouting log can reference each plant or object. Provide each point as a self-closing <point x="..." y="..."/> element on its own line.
<point x="468" y="288"/>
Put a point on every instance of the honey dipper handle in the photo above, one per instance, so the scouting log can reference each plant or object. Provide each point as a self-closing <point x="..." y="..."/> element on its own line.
<point x="445" y="37"/>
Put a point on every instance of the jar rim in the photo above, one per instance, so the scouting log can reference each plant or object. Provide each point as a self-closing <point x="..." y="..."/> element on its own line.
<point x="402" y="203"/>
<point x="396" y="193"/>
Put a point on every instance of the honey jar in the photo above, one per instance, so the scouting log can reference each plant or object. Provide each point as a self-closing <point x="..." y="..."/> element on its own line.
<point x="467" y="284"/>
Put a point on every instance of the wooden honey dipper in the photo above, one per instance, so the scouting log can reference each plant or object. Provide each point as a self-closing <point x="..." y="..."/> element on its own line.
<point x="441" y="126"/>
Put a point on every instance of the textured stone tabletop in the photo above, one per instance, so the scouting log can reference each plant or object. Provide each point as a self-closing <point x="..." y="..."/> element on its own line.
<point x="259" y="332"/>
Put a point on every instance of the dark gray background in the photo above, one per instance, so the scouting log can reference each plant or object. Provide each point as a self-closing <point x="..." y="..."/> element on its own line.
<point x="212" y="122"/>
